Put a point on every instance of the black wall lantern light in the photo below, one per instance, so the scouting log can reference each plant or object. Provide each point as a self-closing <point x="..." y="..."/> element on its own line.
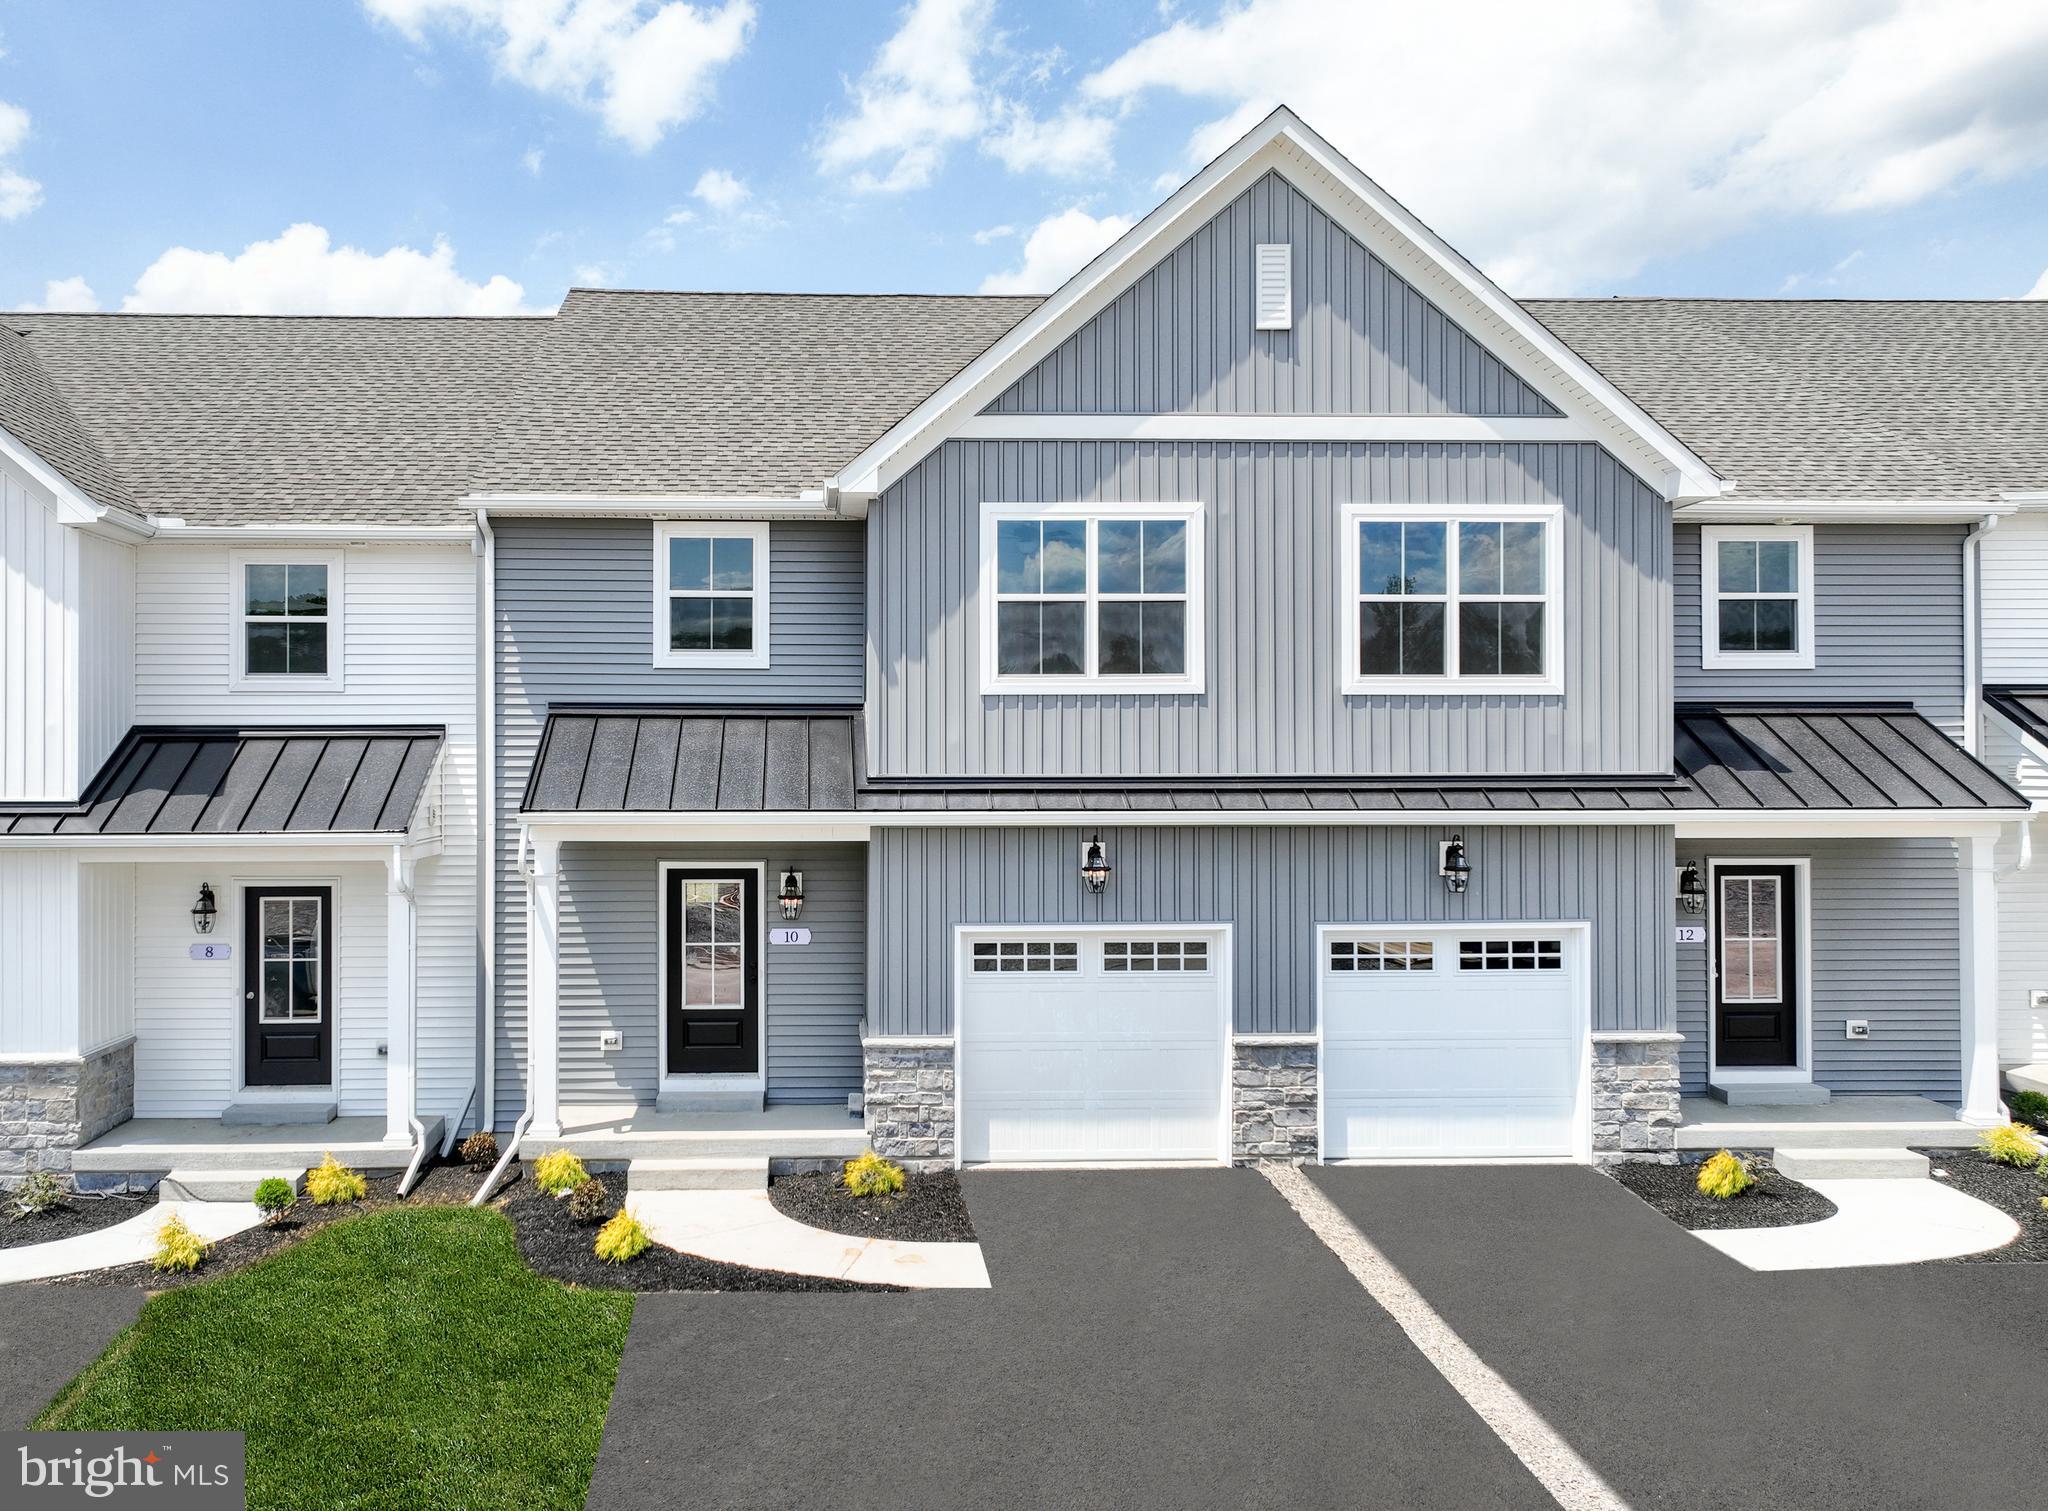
<point x="1095" y="865"/>
<point x="204" y="910"/>
<point x="1692" y="892"/>
<point x="1452" y="865"/>
<point x="791" y="893"/>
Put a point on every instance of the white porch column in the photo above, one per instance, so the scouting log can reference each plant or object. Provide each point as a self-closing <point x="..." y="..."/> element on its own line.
<point x="543" y="1003"/>
<point x="1979" y="926"/>
<point x="401" y="994"/>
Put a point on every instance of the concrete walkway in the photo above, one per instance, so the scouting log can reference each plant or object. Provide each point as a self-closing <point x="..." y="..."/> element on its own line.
<point x="125" y="1242"/>
<point x="1902" y="1221"/>
<point x="743" y="1227"/>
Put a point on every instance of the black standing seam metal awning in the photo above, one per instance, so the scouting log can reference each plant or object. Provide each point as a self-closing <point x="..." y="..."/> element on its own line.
<point x="1834" y="758"/>
<point x="2025" y="706"/>
<point x="206" y="781"/>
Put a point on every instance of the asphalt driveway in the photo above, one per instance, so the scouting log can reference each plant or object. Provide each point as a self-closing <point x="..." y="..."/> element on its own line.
<point x="1154" y="1338"/>
<point x="1689" y="1381"/>
<point x="48" y="1333"/>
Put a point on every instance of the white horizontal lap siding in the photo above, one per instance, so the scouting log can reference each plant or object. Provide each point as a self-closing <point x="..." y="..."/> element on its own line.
<point x="2014" y="565"/>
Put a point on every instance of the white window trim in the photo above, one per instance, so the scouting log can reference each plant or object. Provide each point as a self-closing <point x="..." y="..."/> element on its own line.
<point x="1551" y="516"/>
<point x="756" y="657"/>
<point x="240" y="679"/>
<point x="1189" y="681"/>
<point x="1712" y="657"/>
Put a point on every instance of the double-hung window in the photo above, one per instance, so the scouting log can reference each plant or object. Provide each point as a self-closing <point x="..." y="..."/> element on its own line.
<point x="1441" y="598"/>
<point x="710" y="595"/>
<point x="1756" y="597"/>
<point x="1099" y="599"/>
<point x="285" y="619"/>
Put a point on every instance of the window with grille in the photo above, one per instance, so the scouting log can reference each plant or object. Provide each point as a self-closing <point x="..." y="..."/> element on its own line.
<point x="1026" y="956"/>
<point x="1382" y="955"/>
<point x="1511" y="954"/>
<point x="1129" y="955"/>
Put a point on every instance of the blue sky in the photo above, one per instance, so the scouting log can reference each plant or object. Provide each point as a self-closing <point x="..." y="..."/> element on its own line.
<point x="484" y="155"/>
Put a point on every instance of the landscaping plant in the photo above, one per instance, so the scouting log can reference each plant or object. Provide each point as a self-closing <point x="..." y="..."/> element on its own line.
<point x="871" y="1175"/>
<point x="1724" y="1177"/>
<point x="559" y="1172"/>
<point x="331" y="1183"/>
<point x="2008" y="1144"/>
<point x="589" y="1201"/>
<point x="480" y="1150"/>
<point x="2031" y="1108"/>
<point x="623" y="1238"/>
<point x="275" y="1197"/>
<point x="177" y="1246"/>
<point x="41" y="1192"/>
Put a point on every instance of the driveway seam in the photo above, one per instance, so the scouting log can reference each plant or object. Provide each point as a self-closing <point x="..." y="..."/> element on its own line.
<point x="1573" y="1483"/>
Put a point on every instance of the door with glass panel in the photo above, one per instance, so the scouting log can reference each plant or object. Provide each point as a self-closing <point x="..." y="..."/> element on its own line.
<point x="1756" y="954"/>
<point x="287" y="986"/>
<point x="713" y="971"/>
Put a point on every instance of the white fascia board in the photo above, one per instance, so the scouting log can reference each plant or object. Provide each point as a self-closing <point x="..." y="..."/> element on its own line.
<point x="75" y="506"/>
<point x="175" y="847"/>
<point x="1368" y="213"/>
<point x="339" y="532"/>
<point x="1860" y="511"/>
<point x="1270" y="428"/>
<point x="2026" y="498"/>
<point x="811" y="504"/>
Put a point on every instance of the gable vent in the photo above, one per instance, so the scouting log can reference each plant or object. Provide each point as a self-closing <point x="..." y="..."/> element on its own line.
<point x="1276" y="286"/>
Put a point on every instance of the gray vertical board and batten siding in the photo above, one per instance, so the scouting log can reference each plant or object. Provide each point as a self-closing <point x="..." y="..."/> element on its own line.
<point x="1888" y="622"/>
<point x="813" y="994"/>
<point x="575" y="625"/>
<point x="1276" y="623"/>
<point x="1885" y="946"/>
<point x="1274" y="885"/>
<point x="1181" y="339"/>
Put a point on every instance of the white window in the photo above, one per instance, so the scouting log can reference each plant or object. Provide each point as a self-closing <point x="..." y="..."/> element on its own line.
<point x="1756" y="597"/>
<point x="285" y="624"/>
<point x="1101" y="599"/>
<point x="1464" y="598"/>
<point x="710" y="595"/>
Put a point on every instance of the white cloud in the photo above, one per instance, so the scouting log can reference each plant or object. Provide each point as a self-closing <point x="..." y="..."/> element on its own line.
<point x="591" y="275"/>
<point x="67" y="296"/>
<point x="531" y="160"/>
<point x="2040" y="289"/>
<point x="302" y="273"/>
<point x="1612" y="135"/>
<point x="19" y="193"/>
<point x="1056" y="247"/>
<point x="721" y="190"/>
<point x="993" y="233"/>
<point x="1068" y="144"/>
<point x="645" y="68"/>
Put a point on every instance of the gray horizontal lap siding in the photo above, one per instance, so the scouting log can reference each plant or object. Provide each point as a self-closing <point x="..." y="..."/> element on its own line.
<point x="1885" y="947"/>
<point x="1181" y="339"/>
<point x="814" y="994"/>
<point x="1276" y="629"/>
<point x="575" y="625"/>
<point x="1274" y="885"/>
<point x="1888" y="622"/>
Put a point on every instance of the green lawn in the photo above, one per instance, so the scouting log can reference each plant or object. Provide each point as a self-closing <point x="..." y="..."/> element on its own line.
<point x="401" y="1359"/>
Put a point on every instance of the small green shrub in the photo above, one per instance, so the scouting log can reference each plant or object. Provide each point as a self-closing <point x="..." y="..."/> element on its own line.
<point x="2031" y="1108"/>
<point x="623" y="1238"/>
<point x="480" y="1150"/>
<point x="41" y="1192"/>
<point x="275" y="1197"/>
<point x="1725" y="1177"/>
<point x="2008" y="1144"/>
<point x="559" y="1172"/>
<point x="589" y="1201"/>
<point x="177" y="1246"/>
<point x="331" y="1183"/>
<point x="871" y="1175"/>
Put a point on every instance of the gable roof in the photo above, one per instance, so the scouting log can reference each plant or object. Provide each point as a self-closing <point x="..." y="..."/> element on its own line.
<point x="1886" y="399"/>
<point x="35" y="413"/>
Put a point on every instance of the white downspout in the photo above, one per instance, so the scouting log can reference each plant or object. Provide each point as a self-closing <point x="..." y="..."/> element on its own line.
<point x="487" y="809"/>
<point x="511" y="1150"/>
<point x="1973" y="712"/>
<point x="400" y="885"/>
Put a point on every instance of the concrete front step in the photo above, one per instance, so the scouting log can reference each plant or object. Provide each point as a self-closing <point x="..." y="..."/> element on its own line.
<point x="261" y="1114"/>
<point x="223" y="1185"/>
<point x="1790" y="1094"/>
<point x="697" y="1173"/>
<point x="1850" y="1164"/>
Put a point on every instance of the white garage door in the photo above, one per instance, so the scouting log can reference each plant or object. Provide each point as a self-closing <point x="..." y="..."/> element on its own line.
<point x="1079" y="1046"/>
<point x="1451" y="1045"/>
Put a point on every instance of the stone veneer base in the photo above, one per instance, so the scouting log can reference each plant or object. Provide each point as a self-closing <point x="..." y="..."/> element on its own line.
<point x="908" y="1106"/>
<point x="1273" y="1106"/>
<point x="49" y="1107"/>
<point x="1635" y="1101"/>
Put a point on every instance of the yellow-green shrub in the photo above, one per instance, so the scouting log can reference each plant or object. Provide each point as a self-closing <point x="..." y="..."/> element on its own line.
<point x="871" y="1175"/>
<point x="623" y="1238"/>
<point x="177" y="1246"/>
<point x="558" y="1171"/>
<point x="1725" y="1176"/>
<point x="2008" y="1144"/>
<point x="331" y="1183"/>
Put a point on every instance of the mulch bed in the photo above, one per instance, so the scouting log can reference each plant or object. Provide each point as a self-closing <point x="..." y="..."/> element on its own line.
<point x="556" y="1245"/>
<point x="440" y="1183"/>
<point x="2017" y="1193"/>
<point x="929" y="1208"/>
<point x="1775" y="1201"/>
<point x="79" y="1214"/>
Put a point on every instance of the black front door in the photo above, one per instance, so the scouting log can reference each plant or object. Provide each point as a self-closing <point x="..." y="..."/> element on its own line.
<point x="287" y="986"/>
<point x="714" y="971"/>
<point x="1756" y="957"/>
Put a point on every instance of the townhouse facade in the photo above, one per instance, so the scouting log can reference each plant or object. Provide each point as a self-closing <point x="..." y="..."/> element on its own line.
<point x="1277" y="697"/>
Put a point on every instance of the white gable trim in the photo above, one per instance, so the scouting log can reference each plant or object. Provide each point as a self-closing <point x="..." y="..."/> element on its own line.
<point x="1368" y="213"/>
<point x="74" y="505"/>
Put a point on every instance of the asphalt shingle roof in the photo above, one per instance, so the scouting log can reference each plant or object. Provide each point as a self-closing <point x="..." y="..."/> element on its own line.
<point x="34" y="411"/>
